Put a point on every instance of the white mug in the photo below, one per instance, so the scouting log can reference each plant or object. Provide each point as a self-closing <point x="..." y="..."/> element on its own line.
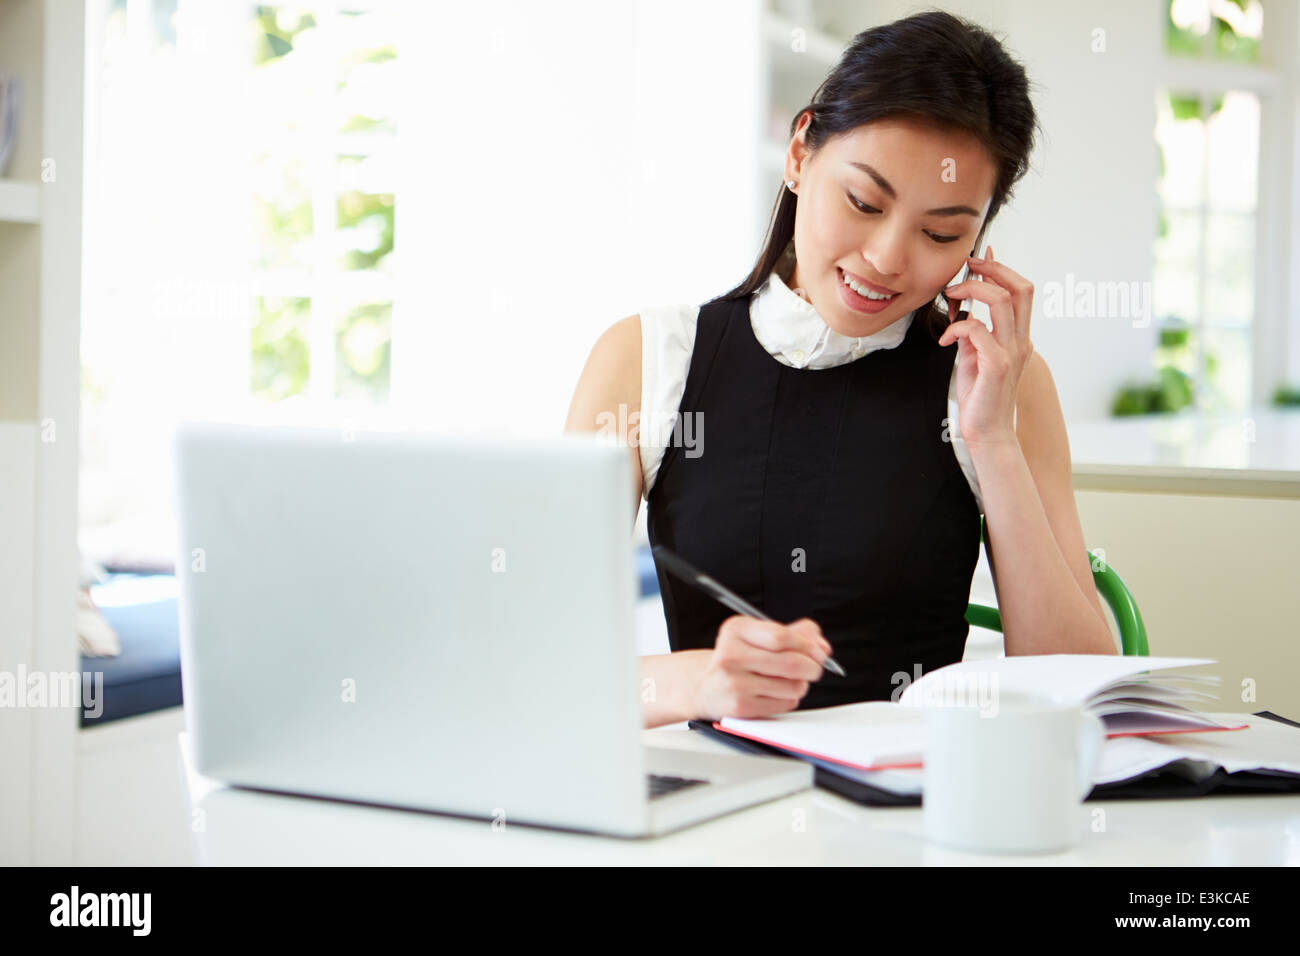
<point x="1008" y="779"/>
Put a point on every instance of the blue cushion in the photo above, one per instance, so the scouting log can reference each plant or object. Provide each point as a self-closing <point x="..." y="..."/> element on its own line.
<point x="146" y="676"/>
<point x="645" y="569"/>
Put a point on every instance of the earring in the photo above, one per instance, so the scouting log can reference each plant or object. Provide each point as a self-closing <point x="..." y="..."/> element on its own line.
<point x="790" y="186"/>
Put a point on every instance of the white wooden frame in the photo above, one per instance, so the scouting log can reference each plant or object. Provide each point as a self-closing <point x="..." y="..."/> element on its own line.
<point x="40" y="303"/>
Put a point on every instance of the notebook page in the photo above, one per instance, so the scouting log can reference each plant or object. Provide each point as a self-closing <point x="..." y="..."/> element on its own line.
<point x="1126" y="757"/>
<point x="1136" y="719"/>
<point x="901" y="781"/>
<point x="1152" y="692"/>
<point x="863" y="735"/>
<point x="1064" y="678"/>
<point x="1264" y="745"/>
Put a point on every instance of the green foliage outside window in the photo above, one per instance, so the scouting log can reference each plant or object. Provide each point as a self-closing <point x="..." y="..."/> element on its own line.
<point x="1225" y="42"/>
<point x="284" y="211"/>
<point x="364" y="352"/>
<point x="272" y="38"/>
<point x="369" y="221"/>
<point x="281" y="353"/>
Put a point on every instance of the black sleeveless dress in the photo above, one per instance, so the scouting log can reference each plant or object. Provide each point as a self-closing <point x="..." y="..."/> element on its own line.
<point x="824" y="493"/>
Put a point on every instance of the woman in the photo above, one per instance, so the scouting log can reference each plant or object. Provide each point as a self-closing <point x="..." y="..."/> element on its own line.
<point x="856" y="432"/>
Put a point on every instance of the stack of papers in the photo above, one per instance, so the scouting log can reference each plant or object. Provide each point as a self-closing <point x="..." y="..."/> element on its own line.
<point x="1149" y="714"/>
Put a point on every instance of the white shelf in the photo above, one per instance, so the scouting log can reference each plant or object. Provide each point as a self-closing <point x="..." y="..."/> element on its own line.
<point x="20" y="201"/>
<point x="791" y="73"/>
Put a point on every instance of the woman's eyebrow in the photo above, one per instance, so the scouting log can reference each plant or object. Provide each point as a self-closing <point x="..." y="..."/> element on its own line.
<point x="889" y="191"/>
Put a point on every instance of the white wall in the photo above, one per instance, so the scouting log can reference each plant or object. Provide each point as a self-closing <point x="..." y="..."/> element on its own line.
<point x="564" y="165"/>
<point x="1205" y="589"/>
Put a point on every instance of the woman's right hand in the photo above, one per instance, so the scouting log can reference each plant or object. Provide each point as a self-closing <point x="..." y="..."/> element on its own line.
<point x="758" y="668"/>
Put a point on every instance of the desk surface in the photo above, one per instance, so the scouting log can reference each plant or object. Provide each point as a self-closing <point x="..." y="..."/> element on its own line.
<point x="814" y="828"/>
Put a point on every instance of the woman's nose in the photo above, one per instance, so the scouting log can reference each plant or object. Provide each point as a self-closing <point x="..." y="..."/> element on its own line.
<point x="886" y="253"/>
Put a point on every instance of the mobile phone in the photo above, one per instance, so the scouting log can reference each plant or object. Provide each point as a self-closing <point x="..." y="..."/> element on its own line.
<point x="965" y="304"/>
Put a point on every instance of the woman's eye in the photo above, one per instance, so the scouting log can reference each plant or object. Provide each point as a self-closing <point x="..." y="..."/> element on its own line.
<point x="863" y="207"/>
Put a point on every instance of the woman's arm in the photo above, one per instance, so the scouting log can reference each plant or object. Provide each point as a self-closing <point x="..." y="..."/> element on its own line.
<point x="666" y="682"/>
<point x="609" y="389"/>
<point x="1047" y="598"/>
<point x="610" y="383"/>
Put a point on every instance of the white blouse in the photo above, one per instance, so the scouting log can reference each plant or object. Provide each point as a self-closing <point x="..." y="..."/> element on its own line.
<point x="793" y="333"/>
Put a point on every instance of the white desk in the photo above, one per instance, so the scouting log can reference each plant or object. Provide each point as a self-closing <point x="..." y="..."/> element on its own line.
<point x="242" y="827"/>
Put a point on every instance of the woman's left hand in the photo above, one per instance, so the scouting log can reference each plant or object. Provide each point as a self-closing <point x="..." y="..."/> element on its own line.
<point x="989" y="364"/>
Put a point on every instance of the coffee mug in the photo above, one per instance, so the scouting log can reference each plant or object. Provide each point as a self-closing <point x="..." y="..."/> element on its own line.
<point x="1010" y="778"/>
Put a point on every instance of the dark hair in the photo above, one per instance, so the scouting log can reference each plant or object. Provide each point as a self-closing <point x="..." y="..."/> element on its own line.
<point x="933" y="66"/>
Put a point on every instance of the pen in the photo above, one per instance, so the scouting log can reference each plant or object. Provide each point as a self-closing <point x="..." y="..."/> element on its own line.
<point x="691" y="575"/>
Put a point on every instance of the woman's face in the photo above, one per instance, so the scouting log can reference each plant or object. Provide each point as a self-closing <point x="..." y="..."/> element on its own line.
<point x="913" y="242"/>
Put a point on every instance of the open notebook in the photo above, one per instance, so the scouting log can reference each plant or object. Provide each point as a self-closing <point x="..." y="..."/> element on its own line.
<point x="1149" y="711"/>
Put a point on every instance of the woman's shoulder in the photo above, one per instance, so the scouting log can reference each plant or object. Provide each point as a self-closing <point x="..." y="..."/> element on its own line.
<point x="667" y="340"/>
<point x="669" y="326"/>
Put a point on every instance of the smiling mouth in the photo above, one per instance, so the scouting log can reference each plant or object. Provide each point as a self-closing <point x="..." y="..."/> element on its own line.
<point x="868" y="290"/>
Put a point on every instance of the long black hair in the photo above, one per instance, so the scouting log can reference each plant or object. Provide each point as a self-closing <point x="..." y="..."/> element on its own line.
<point x="933" y="66"/>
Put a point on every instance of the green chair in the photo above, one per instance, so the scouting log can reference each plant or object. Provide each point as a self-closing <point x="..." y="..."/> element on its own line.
<point x="1111" y="587"/>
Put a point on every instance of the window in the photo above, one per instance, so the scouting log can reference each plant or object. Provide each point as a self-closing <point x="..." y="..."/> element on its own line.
<point x="322" y="275"/>
<point x="1208" y="137"/>
<point x="1224" y="30"/>
<point x="240" y="235"/>
<point x="1204" y="284"/>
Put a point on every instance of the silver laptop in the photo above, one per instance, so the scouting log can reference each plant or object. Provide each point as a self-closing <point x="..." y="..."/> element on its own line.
<point x="434" y="622"/>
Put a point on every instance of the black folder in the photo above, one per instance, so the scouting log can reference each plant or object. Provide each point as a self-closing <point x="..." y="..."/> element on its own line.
<point x="1161" y="783"/>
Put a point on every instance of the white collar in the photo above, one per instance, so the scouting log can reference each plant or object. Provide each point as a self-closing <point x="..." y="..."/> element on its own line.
<point x="792" y="331"/>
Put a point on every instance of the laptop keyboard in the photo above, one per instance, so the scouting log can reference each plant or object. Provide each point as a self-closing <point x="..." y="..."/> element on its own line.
<point x="663" y="784"/>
